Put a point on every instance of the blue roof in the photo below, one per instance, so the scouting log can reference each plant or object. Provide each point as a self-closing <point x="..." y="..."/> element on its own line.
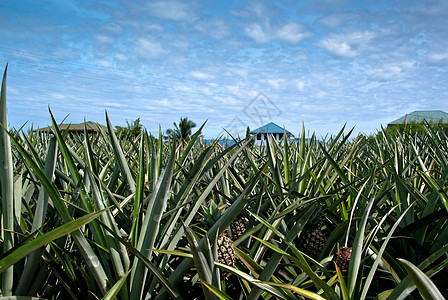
<point x="270" y="128"/>
<point x="432" y="116"/>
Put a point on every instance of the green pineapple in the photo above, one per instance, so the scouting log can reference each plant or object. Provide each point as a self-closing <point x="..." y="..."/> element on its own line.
<point x="312" y="239"/>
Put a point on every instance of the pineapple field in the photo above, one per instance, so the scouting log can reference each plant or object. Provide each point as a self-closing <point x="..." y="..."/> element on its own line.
<point x="143" y="217"/>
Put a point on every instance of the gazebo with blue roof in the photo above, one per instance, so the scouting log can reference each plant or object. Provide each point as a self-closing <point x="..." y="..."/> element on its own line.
<point x="270" y="129"/>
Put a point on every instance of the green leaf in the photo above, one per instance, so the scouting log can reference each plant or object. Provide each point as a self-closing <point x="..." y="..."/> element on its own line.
<point x="342" y="284"/>
<point x="113" y="292"/>
<point x="6" y="187"/>
<point x="305" y="293"/>
<point x="139" y="192"/>
<point x="402" y="290"/>
<point x="221" y="295"/>
<point x="356" y="256"/>
<point x="278" y="293"/>
<point x="200" y="261"/>
<point x="119" y="156"/>
<point x="23" y="250"/>
<point x="425" y="286"/>
<point x="21" y="298"/>
<point x="39" y="215"/>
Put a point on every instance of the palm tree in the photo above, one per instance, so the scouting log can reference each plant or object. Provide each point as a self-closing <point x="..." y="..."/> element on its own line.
<point x="132" y="130"/>
<point x="182" y="130"/>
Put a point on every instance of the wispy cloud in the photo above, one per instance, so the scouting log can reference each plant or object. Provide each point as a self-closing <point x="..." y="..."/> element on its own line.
<point x="347" y="45"/>
<point x="438" y="57"/>
<point x="300" y="85"/>
<point x="215" y="28"/>
<point x="171" y="10"/>
<point x="291" y="32"/>
<point x="391" y="71"/>
<point x="257" y="32"/>
<point x="201" y="75"/>
<point x="337" y="19"/>
<point x="148" y="49"/>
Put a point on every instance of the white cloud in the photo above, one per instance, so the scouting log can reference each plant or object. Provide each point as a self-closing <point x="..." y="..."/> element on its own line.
<point x="114" y="104"/>
<point x="300" y="85"/>
<point x="241" y="72"/>
<point x="103" y="63"/>
<point x="337" y="47"/>
<point x="162" y="102"/>
<point x="391" y="71"/>
<point x="120" y="56"/>
<point x="112" y="28"/>
<point x="337" y="19"/>
<point x="226" y="100"/>
<point x="201" y="75"/>
<point x="171" y="10"/>
<point x="438" y="57"/>
<point x="347" y="45"/>
<point x="256" y="32"/>
<point x="292" y="32"/>
<point x="397" y="52"/>
<point x="234" y="89"/>
<point x="104" y="39"/>
<point x="321" y="95"/>
<point x="148" y="49"/>
<point x="215" y="28"/>
<point x="275" y="83"/>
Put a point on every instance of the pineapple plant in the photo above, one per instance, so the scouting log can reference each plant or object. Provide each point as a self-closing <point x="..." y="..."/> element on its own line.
<point x="343" y="259"/>
<point x="211" y="214"/>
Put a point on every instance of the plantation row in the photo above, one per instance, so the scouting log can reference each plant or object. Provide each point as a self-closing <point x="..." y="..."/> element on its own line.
<point x="140" y="217"/>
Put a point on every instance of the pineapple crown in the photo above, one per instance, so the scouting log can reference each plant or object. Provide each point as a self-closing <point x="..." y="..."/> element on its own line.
<point x="317" y="218"/>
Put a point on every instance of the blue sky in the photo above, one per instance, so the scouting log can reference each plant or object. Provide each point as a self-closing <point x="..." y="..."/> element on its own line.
<point x="323" y="63"/>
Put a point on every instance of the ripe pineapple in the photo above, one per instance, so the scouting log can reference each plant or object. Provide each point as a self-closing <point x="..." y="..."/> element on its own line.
<point x="226" y="253"/>
<point x="343" y="259"/>
<point x="238" y="227"/>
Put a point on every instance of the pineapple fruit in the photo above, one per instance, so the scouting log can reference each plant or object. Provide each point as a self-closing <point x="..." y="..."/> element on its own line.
<point x="238" y="227"/>
<point x="343" y="259"/>
<point x="312" y="239"/>
<point x="226" y="253"/>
